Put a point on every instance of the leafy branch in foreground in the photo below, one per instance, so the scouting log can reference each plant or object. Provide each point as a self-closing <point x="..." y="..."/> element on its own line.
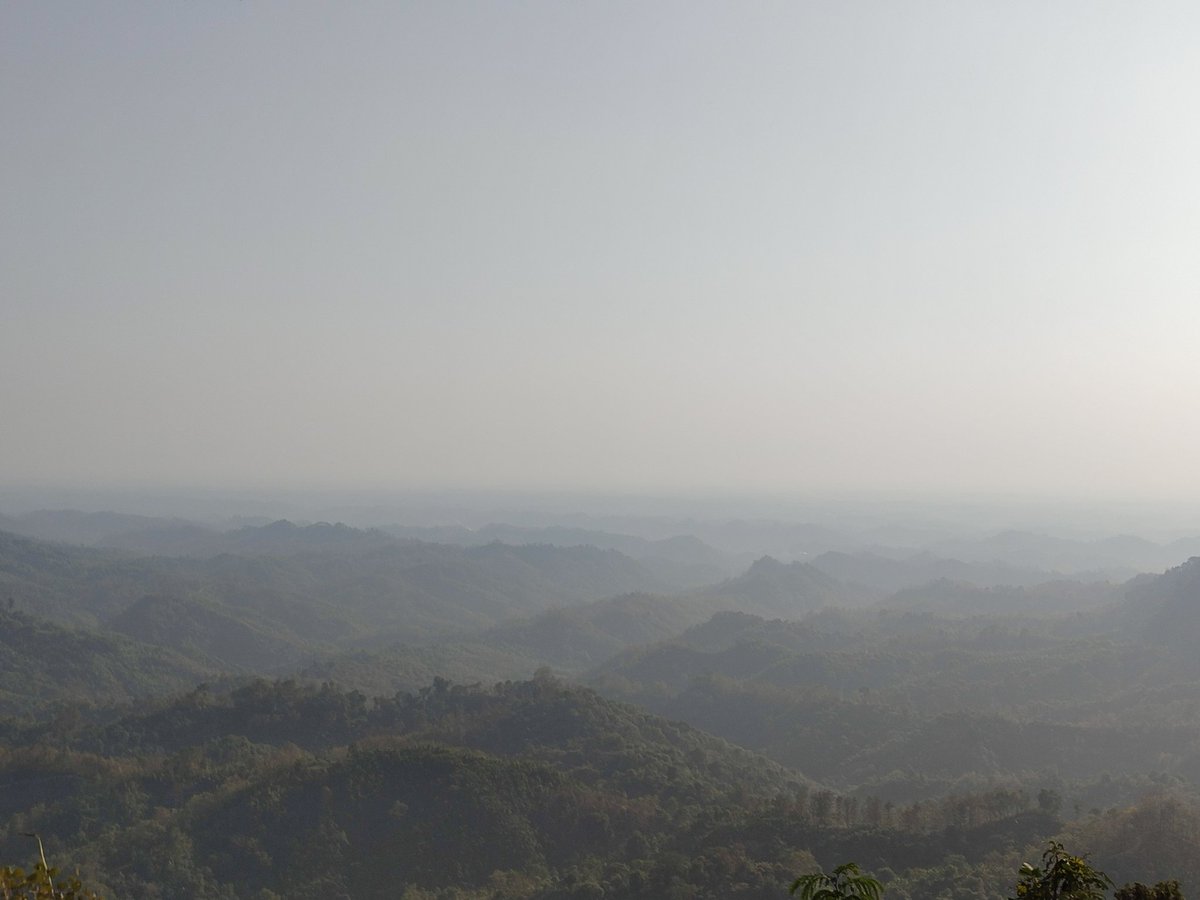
<point x="39" y="885"/>
<point x="845" y="882"/>
<point x="1062" y="876"/>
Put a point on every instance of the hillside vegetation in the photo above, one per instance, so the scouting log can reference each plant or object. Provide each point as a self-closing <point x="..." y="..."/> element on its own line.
<point x="415" y="735"/>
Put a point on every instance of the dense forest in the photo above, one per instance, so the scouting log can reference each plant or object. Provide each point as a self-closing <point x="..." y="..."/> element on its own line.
<point x="285" y="710"/>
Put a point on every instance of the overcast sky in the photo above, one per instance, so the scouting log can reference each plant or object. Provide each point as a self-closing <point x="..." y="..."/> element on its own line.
<point x="638" y="246"/>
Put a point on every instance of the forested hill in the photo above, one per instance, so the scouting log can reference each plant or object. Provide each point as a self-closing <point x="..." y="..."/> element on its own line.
<point x="542" y="718"/>
<point x="526" y="790"/>
<point x="45" y="666"/>
<point x="300" y="790"/>
<point x="910" y="705"/>
<point x="1167" y="608"/>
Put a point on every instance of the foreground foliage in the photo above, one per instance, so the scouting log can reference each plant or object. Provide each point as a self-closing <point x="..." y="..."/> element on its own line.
<point x="845" y="882"/>
<point x="1062" y="876"/>
<point x="41" y="884"/>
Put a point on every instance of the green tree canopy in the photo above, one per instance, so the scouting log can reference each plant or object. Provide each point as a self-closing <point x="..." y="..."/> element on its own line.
<point x="1164" y="890"/>
<point x="1062" y="876"/>
<point x="845" y="882"/>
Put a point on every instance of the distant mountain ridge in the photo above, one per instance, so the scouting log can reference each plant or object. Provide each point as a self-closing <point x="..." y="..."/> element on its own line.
<point x="887" y="574"/>
<point x="304" y="593"/>
<point x="784" y="590"/>
<point x="1119" y="556"/>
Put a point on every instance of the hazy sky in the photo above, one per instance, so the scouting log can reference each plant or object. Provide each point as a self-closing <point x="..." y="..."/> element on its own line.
<point x="602" y="245"/>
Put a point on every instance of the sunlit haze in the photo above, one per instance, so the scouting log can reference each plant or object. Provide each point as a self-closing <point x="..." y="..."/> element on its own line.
<point x="602" y="246"/>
